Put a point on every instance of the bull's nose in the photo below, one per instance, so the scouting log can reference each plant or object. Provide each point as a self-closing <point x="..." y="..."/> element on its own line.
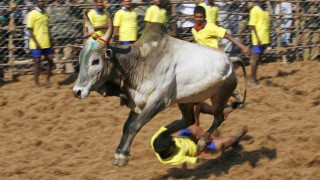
<point x="77" y="93"/>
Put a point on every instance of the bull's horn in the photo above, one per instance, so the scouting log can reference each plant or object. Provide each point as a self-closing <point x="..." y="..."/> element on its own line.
<point x="89" y="25"/>
<point x="109" y="32"/>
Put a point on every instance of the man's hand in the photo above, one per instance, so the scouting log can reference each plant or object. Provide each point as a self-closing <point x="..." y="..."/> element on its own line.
<point x="246" y="51"/>
<point x="201" y="160"/>
<point x="38" y="45"/>
<point x="259" y="42"/>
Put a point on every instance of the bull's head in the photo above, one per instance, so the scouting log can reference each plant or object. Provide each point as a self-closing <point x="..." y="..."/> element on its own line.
<point x="92" y="60"/>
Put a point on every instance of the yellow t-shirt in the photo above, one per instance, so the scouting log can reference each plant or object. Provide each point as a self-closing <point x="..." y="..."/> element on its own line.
<point x="211" y="13"/>
<point x="261" y="20"/>
<point x="156" y="15"/>
<point x="39" y="23"/>
<point x="98" y="20"/>
<point x="127" y="23"/>
<point x="209" y="35"/>
<point x="186" y="150"/>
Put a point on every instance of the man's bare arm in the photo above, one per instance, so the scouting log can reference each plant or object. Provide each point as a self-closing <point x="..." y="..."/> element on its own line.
<point x="102" y="27"/>
<point x="255" y="32"/>
<point x="32" y="37"/>
<point x="116" y="32"/>
<point x="245" y="50"/>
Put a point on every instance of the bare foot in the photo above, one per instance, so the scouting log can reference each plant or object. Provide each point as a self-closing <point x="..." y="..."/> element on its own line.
<point x="238" y="137"/>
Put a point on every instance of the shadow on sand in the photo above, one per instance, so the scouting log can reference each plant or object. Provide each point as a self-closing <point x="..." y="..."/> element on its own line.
<point x="69" y="80"/>
<point x="222" y="164"/>
<point x="3" y="82"/>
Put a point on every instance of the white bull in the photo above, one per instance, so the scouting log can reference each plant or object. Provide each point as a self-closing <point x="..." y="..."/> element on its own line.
<point x="154" y="73"/>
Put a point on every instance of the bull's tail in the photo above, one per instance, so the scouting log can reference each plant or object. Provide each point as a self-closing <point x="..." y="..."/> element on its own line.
<point x="235" y="105"/>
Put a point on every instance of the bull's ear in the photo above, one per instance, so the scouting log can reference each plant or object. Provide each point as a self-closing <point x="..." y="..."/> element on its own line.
<point x="88" y="23"/>
<point x="108" y="53"/>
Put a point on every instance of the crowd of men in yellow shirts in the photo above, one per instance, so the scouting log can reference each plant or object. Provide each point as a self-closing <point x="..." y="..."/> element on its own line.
<point x="206" y="30"/>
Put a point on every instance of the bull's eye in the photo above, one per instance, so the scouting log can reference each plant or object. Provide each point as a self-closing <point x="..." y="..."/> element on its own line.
<point x="95" y="62"/>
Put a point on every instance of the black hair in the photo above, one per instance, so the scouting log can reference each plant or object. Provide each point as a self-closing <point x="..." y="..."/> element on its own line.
<point x="162" y="144"/>
<point x="199" y="9"/>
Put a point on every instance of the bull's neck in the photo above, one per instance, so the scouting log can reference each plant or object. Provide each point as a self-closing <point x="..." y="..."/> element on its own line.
<point x="127" y="57"/>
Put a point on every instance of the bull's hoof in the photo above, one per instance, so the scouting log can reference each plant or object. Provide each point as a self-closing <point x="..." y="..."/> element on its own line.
<point x="201" y="144"/>
<point x="120" y="160"/>
<point x="115" y="159"/>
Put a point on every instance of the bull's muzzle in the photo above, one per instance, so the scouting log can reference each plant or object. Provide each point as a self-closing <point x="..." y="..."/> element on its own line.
<point x="77" y="93"/>
<point x="80" y="92"/>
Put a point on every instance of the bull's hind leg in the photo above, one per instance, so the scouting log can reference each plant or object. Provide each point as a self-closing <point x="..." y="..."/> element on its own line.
<point x="186" y="121"/>
<point x="219" y="102"/>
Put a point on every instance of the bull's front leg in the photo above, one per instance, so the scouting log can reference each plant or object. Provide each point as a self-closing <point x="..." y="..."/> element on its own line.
<point x="132" y="116"/>
<point x="132" y="127"/>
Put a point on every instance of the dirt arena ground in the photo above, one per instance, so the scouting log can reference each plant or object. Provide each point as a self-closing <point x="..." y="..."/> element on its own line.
<point x="49" y="134"/>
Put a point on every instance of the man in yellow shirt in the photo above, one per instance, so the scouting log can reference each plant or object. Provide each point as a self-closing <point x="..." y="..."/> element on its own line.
<point x="156" y="13"/>
<point x="38" y="26"/>
<point x="260" y="33"/>
<point x="126" y="24"/>
<point x="207" y="34"/>
<point x="99" y="18"/>
<point x="183" y="148"/>
<point x="211" y="11"/>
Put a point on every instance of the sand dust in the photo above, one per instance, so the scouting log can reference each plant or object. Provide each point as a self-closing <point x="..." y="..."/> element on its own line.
<point x="49" y="134"/>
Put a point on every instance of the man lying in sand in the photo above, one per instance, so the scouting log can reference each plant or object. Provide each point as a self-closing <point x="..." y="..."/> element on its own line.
<point x="183" y="148"/>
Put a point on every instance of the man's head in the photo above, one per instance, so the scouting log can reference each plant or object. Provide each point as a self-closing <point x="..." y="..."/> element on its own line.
<point x="126" y="4"/>
<point x="99" y="4"/>
<point x="164" y="145"/>
<point x="261" y="2"/>
<point x="199" y="15"/>
<point x="157" y="2"/>
<point x="40" y="3"/>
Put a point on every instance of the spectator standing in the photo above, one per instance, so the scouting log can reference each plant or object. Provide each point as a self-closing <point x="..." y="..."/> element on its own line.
<point x="156" y="13"/>
<point x="38" y="26"/>
<point x="285" y="8"/>
<point x="63" y="32"/>
<point x="99" y="18"/>
<point x="211" y="11"/>
<point x="260" y="34"/>
<point x="126" y="24"/>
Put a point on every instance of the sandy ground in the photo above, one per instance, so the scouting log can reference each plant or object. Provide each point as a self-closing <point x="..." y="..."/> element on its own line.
<point x="49" y="134"/>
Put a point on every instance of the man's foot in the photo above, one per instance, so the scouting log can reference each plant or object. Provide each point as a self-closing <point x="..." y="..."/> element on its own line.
<point x="240" y="136"/>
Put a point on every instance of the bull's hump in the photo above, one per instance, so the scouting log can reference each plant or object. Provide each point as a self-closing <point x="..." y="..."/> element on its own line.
<point x="146" y="48"/>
